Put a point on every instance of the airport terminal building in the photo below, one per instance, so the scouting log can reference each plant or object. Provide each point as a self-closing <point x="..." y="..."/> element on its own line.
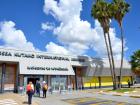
<point x="17" y="68"/>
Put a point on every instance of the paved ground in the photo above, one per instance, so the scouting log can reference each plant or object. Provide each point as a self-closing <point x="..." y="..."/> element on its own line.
<point x="8" y="102"/>
<point x="14" y="99"/>
<point x="94" y="101"/>
<point x="86" y="97"/>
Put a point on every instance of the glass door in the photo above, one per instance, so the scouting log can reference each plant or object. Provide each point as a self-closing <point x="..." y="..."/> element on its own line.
<point x="58" y="83"/>
<point x="63" y="82"/>
<point x="55" y="83"/>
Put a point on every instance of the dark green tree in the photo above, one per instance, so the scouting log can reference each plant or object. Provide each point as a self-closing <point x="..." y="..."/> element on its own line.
<point x="135" y="62"/>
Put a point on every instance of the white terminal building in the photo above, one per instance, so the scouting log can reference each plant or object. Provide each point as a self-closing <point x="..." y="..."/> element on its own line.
<point x="17" y="68"/>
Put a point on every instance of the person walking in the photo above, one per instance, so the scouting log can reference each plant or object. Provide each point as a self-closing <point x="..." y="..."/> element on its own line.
<point x="38" y="86"/>
<point x="129" y="84"/>
<point x="44" y="88"/>
<point x="30" y="92"/>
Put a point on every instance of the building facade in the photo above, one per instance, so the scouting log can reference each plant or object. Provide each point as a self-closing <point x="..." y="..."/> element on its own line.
<point x="17" y="68"/>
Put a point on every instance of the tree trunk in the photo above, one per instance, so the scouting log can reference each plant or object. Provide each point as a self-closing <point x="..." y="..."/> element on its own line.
<point x="122" y="55"/>
<point x="109" y="58"/>
<point x="112" y="59"/>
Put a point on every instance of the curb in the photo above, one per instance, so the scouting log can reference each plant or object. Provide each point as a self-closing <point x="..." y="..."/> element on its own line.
<point x="114" y="94"/>
<point x="117" y="95"/>
<point x="135" y="96"/>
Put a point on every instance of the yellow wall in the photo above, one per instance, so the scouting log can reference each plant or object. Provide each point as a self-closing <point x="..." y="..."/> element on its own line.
<point x="125" y="79"/>
<point x="90" y="81"/>
<point x="105" y="81"/>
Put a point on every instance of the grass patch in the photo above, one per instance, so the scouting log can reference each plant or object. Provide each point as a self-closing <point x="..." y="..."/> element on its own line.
<point x="122" y="90"/>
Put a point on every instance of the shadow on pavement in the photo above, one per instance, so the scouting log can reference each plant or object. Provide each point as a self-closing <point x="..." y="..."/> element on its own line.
<point x="25" y="102"/>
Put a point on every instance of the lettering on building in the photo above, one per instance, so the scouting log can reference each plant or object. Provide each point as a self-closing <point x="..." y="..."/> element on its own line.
<point x="30" y="55"/>
<point x="23" y="55"/>
<point x="47" y="68"/>
<point x="5" y="53"/>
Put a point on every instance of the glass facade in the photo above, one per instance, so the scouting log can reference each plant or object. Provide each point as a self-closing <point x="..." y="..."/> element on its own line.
<point x="58" y="83"/>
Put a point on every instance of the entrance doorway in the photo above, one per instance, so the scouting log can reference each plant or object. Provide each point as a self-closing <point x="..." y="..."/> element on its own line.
<point x="33" y="80"/>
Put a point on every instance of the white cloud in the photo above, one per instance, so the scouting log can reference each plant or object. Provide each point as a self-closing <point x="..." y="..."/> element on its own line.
<point x="77" y="35"/>
<point x="64" y="10"/>
<point x="100" y="47"/>
<point x="14" y="38"/>
<point x="54" y="48"/>
<point x="47" y="26"/>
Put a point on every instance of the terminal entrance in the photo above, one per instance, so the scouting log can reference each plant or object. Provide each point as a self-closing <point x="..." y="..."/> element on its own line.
<point x="33" y="80"/>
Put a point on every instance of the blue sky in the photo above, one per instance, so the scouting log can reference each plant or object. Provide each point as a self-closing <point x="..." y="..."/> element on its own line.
<point x="66" y="28"/>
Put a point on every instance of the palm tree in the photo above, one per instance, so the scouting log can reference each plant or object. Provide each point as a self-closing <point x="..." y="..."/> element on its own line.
<point x="135" y="62"/>
<point x="101" y="12"/>
<point x="119" y="9"/>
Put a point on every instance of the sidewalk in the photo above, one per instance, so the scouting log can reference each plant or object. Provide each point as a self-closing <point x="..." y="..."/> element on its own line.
<point x="14" y="99"/>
